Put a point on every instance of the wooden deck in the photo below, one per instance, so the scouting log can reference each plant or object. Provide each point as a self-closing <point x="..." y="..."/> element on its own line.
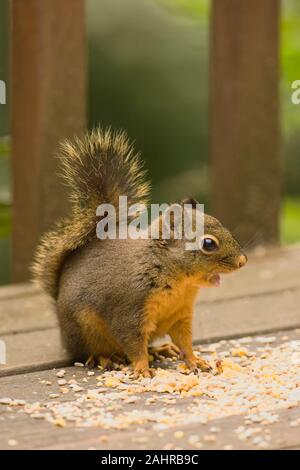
<point x="262" y="299"/>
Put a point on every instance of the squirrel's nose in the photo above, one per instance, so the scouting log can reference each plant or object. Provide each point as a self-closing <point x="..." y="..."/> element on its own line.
<point x="242" y="260"/>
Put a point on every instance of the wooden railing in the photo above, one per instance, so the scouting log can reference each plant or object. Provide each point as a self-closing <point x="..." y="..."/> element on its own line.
<point x="48" y="103"/>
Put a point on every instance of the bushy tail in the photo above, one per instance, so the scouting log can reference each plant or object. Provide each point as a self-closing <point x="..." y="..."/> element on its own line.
<point x="98" y="168"/>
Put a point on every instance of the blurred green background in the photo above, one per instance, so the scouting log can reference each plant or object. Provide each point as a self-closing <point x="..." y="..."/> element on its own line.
<point x="148" y="73"/>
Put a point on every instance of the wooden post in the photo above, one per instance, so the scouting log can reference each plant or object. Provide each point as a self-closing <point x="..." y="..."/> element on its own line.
<point x="48" y="87"/>
<point x="245" y="131"/>
<point x="4" y="47"/>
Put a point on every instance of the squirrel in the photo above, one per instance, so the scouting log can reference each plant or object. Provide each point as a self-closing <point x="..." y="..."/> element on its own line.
<point x="113" y="297"/>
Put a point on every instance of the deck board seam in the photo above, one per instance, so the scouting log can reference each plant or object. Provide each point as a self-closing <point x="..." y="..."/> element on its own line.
<point x="65" y="362"/>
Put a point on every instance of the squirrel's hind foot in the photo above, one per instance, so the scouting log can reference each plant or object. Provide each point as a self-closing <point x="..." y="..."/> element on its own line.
<point x="106" y="363"/>
<point x="90" y="363"/>
<point x="167" y="350"/>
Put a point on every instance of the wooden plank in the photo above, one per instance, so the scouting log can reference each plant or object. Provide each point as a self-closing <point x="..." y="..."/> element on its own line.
<point x="48" y="104"/>
<point x="30" y="351"/>
<point x="267" y="271"/>
<point x="224" y="312"/>
<point x="247" y="316"/>
<point x="212" y="321"/>
<point x="13" y="291"/>
<point x="245" y="128"/>
<point x="41" y="435"/>
<point x="38" y="434"/>
<point x="4" y="57"/>
<point x="282" y="436"/>
<point x="28" y="313"/>
<point x="24" y="308"/>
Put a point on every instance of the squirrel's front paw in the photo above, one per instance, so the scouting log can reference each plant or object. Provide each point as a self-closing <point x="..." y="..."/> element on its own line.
<point x="145" y="372"/>
<point x="197" y="363"/>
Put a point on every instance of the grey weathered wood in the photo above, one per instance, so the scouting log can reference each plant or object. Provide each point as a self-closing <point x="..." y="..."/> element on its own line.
<point x="38" y="434"/>
<point x="24" y="308"/>
<point x="248" y="315"/>
<point x="30" y="351"/>
<point x="264" y="296"/>
<point x="48" y="104"/>
<point x="13" y="291"/>
<point x="271" y="271"/>
<point x="245" y="135"/>
<point x="4" y="58"/>
<point x="28" y="313"/>
<point x="41" y="349"/>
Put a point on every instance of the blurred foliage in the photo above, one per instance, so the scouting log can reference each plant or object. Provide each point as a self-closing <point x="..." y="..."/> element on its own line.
<point x="148" y="73"/>
<point x="5" y="220"/>
<point x="290" y="71"/>
<point x="290" y="221"/>
<point x="150" y="77"/>
<point x="4" y="171"/>
<point x="197" y="9"/>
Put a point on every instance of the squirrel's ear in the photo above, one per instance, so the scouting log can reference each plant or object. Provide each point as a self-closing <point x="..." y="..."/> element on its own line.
<point x="190" y="200"/>
<point x="170" y="222"/>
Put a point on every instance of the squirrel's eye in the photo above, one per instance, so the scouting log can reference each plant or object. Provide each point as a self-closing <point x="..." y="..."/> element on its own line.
<point x="209" y="244"/>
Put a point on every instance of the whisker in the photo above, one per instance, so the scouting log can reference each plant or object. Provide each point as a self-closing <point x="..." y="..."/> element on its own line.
<point x="254" y="240"/>
<point x="226" y="264"/>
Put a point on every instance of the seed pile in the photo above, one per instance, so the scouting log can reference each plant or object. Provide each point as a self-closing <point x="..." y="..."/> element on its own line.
<point x="253" y="377"/>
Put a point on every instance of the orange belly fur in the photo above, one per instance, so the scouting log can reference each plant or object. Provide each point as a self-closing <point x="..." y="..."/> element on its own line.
<point x="164" y="308"/>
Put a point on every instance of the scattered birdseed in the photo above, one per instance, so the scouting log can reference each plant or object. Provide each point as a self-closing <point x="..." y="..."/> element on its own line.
<point x="61" y="373"/>
<point x="37" y="416"/>
<point x="19" y="402"/>
<point x="210" y="438"/>
<point x="244" y="433"/>
<point x="241" y="352"/>
<point x="131" y="399"/>
<point x="12" y="442"/>
<point x="140" y="439"/>
<point x="252" y="383"/>
<point x="61" y="382"/>
<point x="78" y="364"/>
<point x="5" y="401"/>
<point x="60" y="422"/>
<point x="265" y="339"/>
<point x="214" y="429"/>
<point x="169" y="446"/>
<point x="178" y="434"/>
<point x="150" y="401"/>
<point x="193" y="439"/>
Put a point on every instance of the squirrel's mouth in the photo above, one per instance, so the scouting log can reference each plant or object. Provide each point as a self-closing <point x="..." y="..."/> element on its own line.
<point x="215" y="280"/>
